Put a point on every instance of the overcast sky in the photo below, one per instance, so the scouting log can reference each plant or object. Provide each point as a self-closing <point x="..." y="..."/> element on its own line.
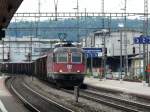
<point x="90" y="5"/>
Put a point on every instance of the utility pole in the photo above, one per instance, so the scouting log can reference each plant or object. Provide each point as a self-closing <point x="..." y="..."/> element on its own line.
<point x="9" y="50"/>
<point x="104" y="56"/>
<point x="77" y="16"/>
<point x="78" y="20"/>
<point x="121" y="55"/>
<point x="140" y="56"/>
<point x="121" y="26"/>
<point x="38" y="29"/>
<point x="125" y="39"/>
<point x="85" y="13"/>
<point x="104" y="52"/>
<point x="104" y="33"/>
<point x="145" y="33"/>
<point x="39" y="9"/>
<point x="103" y="15"/>
<point x="56" y="7"/>
<point x="3" y="50"/>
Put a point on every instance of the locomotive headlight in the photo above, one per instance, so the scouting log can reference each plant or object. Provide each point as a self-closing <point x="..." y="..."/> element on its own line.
<point x="78" y="71"/>
<point x="60" y="71"/>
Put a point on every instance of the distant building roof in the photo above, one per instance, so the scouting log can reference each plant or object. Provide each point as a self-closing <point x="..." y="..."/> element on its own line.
<point x="27" y="39"/>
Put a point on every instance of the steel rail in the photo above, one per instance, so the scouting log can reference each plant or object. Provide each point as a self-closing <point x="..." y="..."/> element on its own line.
<point x="49" y="100"/>
<point x="132" y="103"/>
<point x="30" y="105"/>
<point x="104" y="100"/>
<point x="23" y="99"/>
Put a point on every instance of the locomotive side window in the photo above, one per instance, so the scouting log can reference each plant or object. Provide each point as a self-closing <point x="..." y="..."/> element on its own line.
<point x="76" y="57"/>
<point x="83" y="58"/>
<point x="54" y="58"/>
<point x="62" y="57"/>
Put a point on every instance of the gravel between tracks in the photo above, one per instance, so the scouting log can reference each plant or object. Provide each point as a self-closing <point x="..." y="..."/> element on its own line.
<point x="67" y="99"/>
<point x="122" y="95"/>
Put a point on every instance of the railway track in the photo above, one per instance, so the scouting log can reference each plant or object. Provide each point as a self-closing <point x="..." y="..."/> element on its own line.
<point x="115" y="102"/>
<point x="39" y="103"/>
<point x="33" y="100"/>
<point x="121" y="104"/>
<point x="121" y="94"/>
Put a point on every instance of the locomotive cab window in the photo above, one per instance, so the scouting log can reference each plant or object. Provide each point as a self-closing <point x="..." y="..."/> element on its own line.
<point x="62" y="57"/>
<point x="76" y="58"/>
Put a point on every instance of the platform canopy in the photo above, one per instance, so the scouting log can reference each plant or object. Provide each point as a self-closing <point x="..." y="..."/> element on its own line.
<point x="7" y="10"/>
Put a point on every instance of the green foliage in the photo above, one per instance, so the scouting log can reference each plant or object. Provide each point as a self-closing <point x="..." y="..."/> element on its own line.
<point x="89" y="74"/>
<point x="141" y="77"/>
<point x="50" y="29"/>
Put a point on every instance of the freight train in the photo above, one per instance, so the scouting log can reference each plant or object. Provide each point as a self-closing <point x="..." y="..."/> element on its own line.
<point x="65" y="65"/>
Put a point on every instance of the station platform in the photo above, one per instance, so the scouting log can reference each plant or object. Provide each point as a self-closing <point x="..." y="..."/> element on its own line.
<point x="134" y="88"/>
<point x="7" y="102"/>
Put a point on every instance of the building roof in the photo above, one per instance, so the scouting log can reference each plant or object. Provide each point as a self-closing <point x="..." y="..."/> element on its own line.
<point x="28" y="39"/>
<point x="137" y="56"/>
<point x="7" y="10"/>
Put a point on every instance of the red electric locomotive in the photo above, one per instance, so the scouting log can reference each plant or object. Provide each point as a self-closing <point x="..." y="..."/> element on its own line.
<point x="66" y="65"/>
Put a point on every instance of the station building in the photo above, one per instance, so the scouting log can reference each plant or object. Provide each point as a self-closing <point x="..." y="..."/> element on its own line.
<point x="18" y="49"/>
<point x="113" y="45"/>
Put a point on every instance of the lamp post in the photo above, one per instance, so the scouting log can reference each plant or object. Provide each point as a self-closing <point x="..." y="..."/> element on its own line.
<point x="3" y="49"/>
<point x="140" y="56"/>
<point x="120" y="26"/>
<point x="125" y="37"/>
<point x="104" y="33"/>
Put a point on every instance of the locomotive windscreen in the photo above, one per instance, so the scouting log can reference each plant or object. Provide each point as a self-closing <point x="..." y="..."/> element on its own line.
<point x="62" y="57"/>
<point x="71" y="54"/>
<point x="76" y="58"/>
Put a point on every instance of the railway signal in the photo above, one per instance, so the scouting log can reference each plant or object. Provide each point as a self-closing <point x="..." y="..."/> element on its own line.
<point x="29" y="57"/>
<point x="133" y="49"/>
<point x="105" y="52"/>
<point x="8" y="55"/>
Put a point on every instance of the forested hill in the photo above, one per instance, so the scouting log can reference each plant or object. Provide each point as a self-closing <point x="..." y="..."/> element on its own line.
<point x="51" y="29"/>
